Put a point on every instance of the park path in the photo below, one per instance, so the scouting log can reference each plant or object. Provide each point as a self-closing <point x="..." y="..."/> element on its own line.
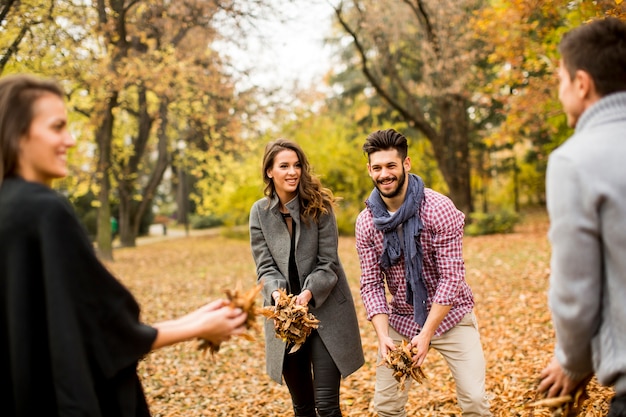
<point x="155" y="234"/>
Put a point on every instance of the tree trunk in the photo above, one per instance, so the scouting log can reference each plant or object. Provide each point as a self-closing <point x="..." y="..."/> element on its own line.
<point x="182" y="199"/>
<point x="162" y="162"/>
<point x="131" y="213"/>
<point x="127" y="238"/>
<point x="103" y="138"/>
<point x="127" y="183"/>
<point x="451" y="146"/>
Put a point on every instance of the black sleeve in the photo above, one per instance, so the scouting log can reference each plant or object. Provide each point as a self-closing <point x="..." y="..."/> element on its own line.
<point x="92" y="315"/>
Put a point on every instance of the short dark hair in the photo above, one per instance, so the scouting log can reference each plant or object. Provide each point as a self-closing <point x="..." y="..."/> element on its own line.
<point x="383" y="140"/>
<point x="18" y="94"/>
<point x="598" y="48"/>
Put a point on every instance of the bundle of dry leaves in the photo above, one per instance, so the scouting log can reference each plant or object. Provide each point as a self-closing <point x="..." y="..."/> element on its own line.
<point x="244" y="301"/>
<point x="401" y="361"/>
<point x="567" y="405"/>
<point x="292" y="322"/>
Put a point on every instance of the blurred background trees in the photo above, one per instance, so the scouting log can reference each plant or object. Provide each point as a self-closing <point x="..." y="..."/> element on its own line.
<point x="169" y="126"/>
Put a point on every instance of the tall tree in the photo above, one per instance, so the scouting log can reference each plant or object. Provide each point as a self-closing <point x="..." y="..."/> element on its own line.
<point x="420" y="56"/>
<point x="521" y="67"/>
<point x="160" y="60"/>
<point x="171" y="54"/>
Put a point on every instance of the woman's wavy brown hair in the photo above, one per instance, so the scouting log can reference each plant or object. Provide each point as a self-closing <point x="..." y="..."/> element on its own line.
<point x="315" y="199"/>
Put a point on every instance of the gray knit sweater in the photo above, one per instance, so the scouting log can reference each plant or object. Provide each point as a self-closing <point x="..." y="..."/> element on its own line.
<point x="586" y="197"/>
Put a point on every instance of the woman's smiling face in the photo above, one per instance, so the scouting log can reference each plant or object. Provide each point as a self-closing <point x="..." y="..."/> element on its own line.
<point x="285" y="173"/>
<point x="43" y="149"/>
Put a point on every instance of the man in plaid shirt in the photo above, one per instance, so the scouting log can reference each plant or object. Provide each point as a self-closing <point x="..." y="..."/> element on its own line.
<point x="410" y="239"/>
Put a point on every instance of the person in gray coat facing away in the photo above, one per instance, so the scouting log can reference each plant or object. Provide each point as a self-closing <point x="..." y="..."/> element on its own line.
<point x="586" y="197"/>
<point x="294" y="238"/>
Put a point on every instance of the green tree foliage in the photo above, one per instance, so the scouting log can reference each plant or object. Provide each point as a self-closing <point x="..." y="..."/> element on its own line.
<point x="156" y="107"/>
<point x="18" y="25"/>
<point x="142" y="77"/>
<point x="333" y="143"/>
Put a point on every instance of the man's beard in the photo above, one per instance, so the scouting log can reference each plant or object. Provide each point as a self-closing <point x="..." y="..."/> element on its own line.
<point x="397" y="190"/>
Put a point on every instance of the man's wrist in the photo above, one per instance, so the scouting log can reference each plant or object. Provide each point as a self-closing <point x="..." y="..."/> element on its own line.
<point x="575" y="377"/>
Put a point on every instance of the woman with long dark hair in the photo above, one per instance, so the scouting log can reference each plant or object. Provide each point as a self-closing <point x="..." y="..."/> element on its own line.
<point x="294" y="238"/>
<point x="70" y="332"/>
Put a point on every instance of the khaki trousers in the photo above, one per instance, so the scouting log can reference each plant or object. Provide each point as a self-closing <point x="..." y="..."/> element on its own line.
<point x="462" y="350"/>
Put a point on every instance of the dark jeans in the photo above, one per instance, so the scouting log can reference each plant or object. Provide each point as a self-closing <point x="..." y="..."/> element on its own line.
<point x="618" y="406"/>
<point x="313" y="380"/>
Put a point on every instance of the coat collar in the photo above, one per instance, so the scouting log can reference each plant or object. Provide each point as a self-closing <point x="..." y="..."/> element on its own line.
<point x="293" y="206"/>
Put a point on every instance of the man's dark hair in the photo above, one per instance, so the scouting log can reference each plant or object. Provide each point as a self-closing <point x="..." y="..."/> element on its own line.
<point x="383" y="140"/>
<point x="598" y="48"/>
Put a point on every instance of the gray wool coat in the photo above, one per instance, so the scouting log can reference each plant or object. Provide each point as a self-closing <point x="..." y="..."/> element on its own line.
<point x="320" y="272"/>
<point x="586" y="196"/>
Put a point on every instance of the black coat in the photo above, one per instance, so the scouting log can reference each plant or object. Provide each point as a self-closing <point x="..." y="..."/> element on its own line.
<point x="70" y="332"/>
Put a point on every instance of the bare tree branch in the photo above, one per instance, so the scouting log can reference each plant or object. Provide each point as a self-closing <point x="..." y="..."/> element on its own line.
<point x="416" y="117"/>
<point x="419" y="10"/>
<point x="13" y="48"/>
<point x="4" y="9"/>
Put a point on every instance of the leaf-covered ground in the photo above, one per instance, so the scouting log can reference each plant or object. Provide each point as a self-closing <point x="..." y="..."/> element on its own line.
<point x="508" y="274"/>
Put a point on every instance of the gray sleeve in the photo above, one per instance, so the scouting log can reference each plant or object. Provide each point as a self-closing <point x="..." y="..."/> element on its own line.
<point x="576" y="263"/>
<point x="266" y="268"/>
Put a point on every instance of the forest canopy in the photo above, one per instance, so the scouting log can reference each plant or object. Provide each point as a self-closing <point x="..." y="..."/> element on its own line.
<point x="165" y="128"/>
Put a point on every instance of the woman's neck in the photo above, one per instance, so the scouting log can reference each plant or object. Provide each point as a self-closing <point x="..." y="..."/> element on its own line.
<point x="284" y="200"/>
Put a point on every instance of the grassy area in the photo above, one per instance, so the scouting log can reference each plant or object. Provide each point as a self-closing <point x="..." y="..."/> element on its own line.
<point x="508" y="274"/>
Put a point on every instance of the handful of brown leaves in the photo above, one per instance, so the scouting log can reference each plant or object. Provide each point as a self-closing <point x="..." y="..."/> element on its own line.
<point x="566" y="405"/>
<point x="401" y="361"/>
<point x="245" y="302"/>
<point x="293" y="323"/>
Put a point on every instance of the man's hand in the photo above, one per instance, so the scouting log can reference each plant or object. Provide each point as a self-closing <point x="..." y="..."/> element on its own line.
<point x="385" y="344"/>
<point x="422" y="343"/>
<point x="554" y="381"/>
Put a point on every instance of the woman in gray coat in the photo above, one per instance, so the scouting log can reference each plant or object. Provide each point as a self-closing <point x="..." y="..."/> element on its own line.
<point x="293" y="234"/>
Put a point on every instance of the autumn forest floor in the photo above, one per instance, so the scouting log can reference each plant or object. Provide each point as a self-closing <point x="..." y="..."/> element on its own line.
<point x="508" y="275"/>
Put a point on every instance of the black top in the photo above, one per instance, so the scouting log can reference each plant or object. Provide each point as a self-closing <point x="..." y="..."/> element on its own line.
<point x="71" y="335"/>
<point x="294" y="280"/>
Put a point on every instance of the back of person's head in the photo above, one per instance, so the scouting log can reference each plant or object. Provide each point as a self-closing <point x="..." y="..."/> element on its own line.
<point x="384" y="140"/>
<point x="18" y="93"/>
<point x="598" y="48"/>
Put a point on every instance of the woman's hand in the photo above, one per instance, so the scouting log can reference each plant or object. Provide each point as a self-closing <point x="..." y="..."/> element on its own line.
<point x="221" y="323"/>
<point x="215" y="321"/>
<point x="304" y="297"/>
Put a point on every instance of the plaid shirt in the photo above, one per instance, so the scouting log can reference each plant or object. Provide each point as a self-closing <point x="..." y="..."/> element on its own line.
<point x="444" y="269"/>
